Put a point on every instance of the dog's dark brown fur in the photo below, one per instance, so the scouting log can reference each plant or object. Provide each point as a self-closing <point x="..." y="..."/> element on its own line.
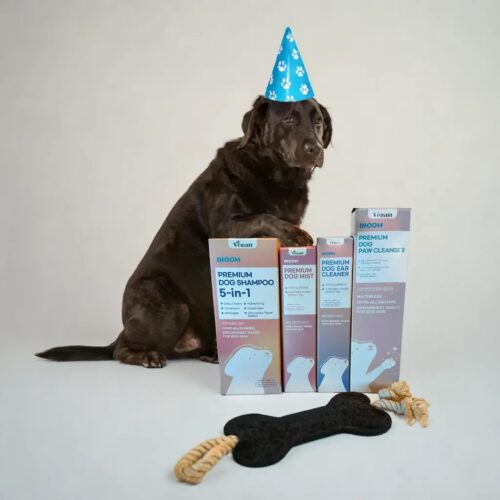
<point x="255" y="187"/>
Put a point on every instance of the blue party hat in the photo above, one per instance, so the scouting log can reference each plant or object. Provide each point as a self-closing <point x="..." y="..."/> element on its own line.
<point x="289" y="80"/>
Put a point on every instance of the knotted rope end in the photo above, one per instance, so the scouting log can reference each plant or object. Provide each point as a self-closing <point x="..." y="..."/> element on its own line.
<point x="399" y="399"/>
<point x="194" y="464"/>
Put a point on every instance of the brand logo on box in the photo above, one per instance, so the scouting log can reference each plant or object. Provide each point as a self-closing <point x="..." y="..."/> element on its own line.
<point x="297" y="251"/>
<point x="390" y="213"/>
<point x="242" y="244"/>
<point x="335" y="241"/>
<point x="228" y="259"/>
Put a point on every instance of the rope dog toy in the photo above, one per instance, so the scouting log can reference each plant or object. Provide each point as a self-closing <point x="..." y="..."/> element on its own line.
<point x="260" y="440"/>
<point x="399" y="399"/>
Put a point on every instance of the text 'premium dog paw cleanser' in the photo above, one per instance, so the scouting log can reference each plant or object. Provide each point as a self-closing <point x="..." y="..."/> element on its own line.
<point x="380" y="264"/>
<point x="245" y="287"/>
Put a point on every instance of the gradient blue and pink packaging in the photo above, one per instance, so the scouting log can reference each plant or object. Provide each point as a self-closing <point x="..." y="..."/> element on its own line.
<point x="335" y="264"/>
<point x="381" y="255"/>
<point x="298" y="318"/>
<point x="245" y="287"/>
<point x="322" y="343"/>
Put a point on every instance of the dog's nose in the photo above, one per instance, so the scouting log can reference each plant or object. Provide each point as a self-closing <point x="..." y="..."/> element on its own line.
<point x="311" y="148"/>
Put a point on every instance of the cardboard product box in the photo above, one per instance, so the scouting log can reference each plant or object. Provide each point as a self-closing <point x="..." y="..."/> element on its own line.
<point x="245" y="287"/>
<point x="380" y="260"/>
<point x="335" y="259"/>
<point x="298" y="318"/>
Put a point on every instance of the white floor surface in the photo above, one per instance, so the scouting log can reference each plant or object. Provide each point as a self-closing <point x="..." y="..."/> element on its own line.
<point x="101" y="430"/>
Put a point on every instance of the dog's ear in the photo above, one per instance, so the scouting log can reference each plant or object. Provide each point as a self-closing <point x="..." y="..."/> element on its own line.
<point x="327" y="128"/>
<point x="252" y="120"/>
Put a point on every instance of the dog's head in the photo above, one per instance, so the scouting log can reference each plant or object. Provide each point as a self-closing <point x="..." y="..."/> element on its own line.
<point x="295" y="132"/>
<point x="300" y="365"/>
<point x="334" y="365"/>
<point x="248" y="363"/>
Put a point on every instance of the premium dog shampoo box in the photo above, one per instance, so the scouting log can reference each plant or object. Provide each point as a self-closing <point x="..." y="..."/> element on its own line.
<point x="380" y="261"/>
<point x="245" y="287"/>
<point x="334" y="312"/>
<point x="298" y="318"/>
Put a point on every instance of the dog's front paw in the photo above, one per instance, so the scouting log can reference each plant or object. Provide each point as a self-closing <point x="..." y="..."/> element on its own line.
<point x="146" y="358"/>
<point x="153" y="359"/>
<point x="297" y="237"/>
<point x="210" y="358"/>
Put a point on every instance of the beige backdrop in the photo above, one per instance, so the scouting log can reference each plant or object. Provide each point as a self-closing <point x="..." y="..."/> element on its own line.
<point x="109" y="110"/>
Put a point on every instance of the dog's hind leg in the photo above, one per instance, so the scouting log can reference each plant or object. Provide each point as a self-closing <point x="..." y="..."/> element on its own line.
<point x="154" y="318"/>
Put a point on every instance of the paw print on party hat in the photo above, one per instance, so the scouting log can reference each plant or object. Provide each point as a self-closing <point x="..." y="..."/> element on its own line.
<point x="289" y="80"/>
<point x="285" y="83"/>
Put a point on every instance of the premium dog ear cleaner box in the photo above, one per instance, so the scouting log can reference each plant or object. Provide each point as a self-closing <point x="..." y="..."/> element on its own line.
<point x="380" y="261"/>
<point x="334" y="312"/>
<point x="298" y="318"/>
<point x="245" y="287"/>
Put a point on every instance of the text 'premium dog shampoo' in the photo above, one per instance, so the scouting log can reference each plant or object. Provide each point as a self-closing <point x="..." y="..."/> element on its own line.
<point x="298" y="318"/>
<point x="380" y="261"/>
<point x="334" y="312"/>
<point x="245" y="287"/>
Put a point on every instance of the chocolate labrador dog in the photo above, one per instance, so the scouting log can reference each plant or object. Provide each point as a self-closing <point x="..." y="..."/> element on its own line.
<point x="255" y="187"/>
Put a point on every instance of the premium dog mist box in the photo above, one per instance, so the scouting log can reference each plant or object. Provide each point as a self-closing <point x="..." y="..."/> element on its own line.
<point x="245" y="287"/>
<point x="298" y="318"/>
<point x="334" y="312"/>
<point x="380" y="261"/>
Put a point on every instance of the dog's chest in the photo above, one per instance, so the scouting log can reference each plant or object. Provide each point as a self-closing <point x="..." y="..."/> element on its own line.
<point x="288" y="204"/>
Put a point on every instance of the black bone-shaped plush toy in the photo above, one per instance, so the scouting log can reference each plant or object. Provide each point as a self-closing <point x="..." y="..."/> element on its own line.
<point x="265" y="440"/>
<point x="260" y="440"/>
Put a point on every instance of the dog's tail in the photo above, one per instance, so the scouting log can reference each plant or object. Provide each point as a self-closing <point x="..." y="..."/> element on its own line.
<point x="78" y="353"/>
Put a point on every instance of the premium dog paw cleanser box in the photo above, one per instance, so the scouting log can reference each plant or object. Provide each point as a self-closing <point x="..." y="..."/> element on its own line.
<point x="298" y="318"/>
<point x="380" y="261"/>
<point x="334" y="312"/>
<point x="245" y="287"/>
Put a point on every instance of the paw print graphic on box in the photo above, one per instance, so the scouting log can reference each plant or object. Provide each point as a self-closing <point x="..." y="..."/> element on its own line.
<point x="289" y="80"/>
<point x="362" y="356"/>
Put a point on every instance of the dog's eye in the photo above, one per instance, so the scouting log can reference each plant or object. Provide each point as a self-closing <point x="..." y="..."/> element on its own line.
<point x="289" y="120"/>
<point x="318" y="120"/>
